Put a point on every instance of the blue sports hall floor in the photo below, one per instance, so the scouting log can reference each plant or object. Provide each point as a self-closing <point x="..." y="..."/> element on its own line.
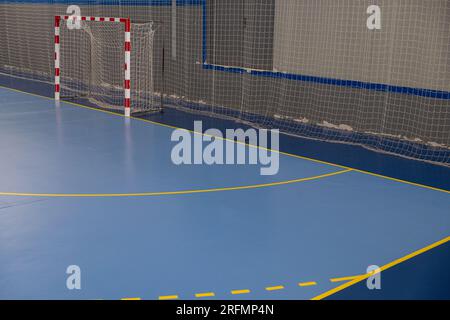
<point x="84" y="187"/>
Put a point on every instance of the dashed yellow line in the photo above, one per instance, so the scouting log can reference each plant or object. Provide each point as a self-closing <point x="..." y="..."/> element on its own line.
<point x="383" y="268"/>
<point x="351" y="280"/>
<point x="307" y="284"/>
<point x="172" y="297"/>
<point x="342" y="279"/>
<point x="205" y="294"/>
<point x="275" y="288"/>
<point x="244" y="291"/>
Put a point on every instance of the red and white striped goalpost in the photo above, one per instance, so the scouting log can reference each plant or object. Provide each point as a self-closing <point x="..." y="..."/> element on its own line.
<point x="127" y="54"/>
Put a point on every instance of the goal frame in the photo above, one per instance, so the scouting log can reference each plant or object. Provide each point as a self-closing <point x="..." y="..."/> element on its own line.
<point x="127" y="54"/>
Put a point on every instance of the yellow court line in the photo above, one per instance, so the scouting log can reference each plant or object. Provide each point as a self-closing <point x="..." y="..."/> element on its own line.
<point x="239" y="142"/>
<point x="307" y="284"/>
<point x="401" y="181"/>
<point x="181" y="192"/>
<point x="244" y="291"/>
<point x="205" y="294"/>
<point x="383" y="268"/>
<point x="275" y="288"/>
<point x="173" y="297"/>
<point x="341" y="279"/>
<point x="130" y="299"/>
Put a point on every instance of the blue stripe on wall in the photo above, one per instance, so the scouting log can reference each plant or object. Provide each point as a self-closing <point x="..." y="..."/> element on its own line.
<point x="428" y="93"/>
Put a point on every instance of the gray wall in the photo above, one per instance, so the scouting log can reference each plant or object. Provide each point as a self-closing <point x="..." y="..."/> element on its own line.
<point x="329" y="38"/>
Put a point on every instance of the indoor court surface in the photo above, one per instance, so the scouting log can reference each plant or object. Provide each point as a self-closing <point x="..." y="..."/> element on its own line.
<point x="81" y="186"/>
<point x="224" y="150"/>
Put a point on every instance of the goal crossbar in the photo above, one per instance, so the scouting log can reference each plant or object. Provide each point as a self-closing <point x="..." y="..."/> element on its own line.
<point x="127" y="53"/>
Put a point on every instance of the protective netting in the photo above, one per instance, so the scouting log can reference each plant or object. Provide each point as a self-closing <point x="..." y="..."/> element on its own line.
<point x="308" y="67"/>
<point x="92" y="64"/>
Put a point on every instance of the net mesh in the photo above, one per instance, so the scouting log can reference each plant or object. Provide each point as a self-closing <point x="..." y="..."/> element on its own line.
<point x="92" y="64"/>
<point x="311" y="68"/>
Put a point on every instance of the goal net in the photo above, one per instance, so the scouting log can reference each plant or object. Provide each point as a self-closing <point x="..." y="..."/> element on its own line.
<point x="108" y="61"/>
